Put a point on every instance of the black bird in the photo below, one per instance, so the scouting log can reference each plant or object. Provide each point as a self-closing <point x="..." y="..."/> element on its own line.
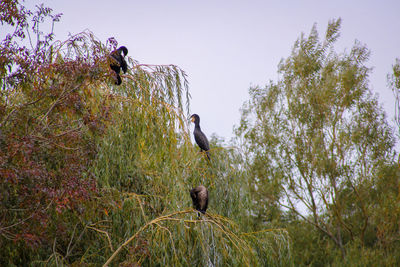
<point x="199" y="196"/>
<point x="118" y="62"/>
<point x="199" y="136"/>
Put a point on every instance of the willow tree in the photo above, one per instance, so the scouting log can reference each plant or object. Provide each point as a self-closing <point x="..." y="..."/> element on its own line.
<point x="317" y="139"/>
<point x="92" y="173"/>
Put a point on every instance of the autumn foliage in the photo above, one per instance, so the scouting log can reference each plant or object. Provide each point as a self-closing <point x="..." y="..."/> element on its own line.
<point x="48" y="127"/>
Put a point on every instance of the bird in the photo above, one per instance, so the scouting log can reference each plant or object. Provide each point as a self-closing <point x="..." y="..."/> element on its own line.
<point x="199" y="197"/>
<point x="118" y="62"/>
<point x="199" y="136"/>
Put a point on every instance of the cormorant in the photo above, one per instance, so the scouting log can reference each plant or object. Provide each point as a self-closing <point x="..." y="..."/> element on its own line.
<point x="199" y="136"/>
<point x="118" y="62"/>
<point x="199" y="196"/>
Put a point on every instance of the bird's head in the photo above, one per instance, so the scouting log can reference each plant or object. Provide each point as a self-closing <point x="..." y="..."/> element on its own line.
<point x="123" y="49"/>
<point x="195" y="118"/>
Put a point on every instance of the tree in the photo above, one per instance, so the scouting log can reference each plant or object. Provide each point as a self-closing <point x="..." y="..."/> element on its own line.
<point x="394" y="82"/>
<point x="92" y="173"/>
<point x="317" y="139"/>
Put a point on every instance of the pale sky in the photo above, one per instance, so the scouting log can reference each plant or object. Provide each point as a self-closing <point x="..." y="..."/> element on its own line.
<point x="227" y="46"/>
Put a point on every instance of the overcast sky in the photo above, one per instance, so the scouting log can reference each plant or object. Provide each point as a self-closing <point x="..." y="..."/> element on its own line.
<point x="227" y="46"/>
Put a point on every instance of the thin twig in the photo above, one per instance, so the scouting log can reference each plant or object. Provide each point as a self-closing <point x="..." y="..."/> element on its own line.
<point x="76" y="242"/>
<point x="27" y="218"/>
<point x="19" y="107"/>
<point x="61" y="96"/>
<point x="54" y="251"/>
<point x="103" y="232"/>
<point x="70" y="242"/>
<point x="170" y="236"/>
<point x="161" y="218"/>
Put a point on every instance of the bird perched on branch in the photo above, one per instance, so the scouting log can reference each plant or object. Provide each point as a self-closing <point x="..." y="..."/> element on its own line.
<point x="199" y="136"/>
<point x="199" y="196"/>
<point x="118" y="62"/>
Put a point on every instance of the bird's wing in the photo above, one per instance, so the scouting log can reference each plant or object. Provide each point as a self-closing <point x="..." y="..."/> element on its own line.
<point x="193" y="193"/>
<point x="201" y="140"/>
<point x="115" y="57"/>
<point x="124" y="66"/>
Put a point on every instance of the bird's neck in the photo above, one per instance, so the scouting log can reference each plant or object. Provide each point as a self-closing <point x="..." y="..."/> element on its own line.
<point x="197" y="126"/>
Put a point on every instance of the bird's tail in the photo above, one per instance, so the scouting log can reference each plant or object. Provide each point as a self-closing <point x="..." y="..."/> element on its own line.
<point x="208" y="156"/>
<point x="119" y="80"/>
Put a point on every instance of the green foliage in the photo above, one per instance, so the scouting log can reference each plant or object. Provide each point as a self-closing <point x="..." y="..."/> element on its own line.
<point x="153" y="188"/>
<point x="394" y="82"/>
<point x="93" y="173"/>
<point x="317" y="143"/>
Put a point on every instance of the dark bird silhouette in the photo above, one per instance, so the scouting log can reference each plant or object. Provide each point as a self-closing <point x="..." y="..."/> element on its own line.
<point x="199" y="196"/>
<point x="118" y="62"/>
<point x="199" y="136"/>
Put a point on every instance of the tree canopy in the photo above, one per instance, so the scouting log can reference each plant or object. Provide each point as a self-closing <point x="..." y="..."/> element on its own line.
<point x="93" y="173"/>
<point x="318" y="144"/>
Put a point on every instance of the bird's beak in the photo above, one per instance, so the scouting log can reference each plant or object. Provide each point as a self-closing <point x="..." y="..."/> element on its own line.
<point x="192" y="119"/>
